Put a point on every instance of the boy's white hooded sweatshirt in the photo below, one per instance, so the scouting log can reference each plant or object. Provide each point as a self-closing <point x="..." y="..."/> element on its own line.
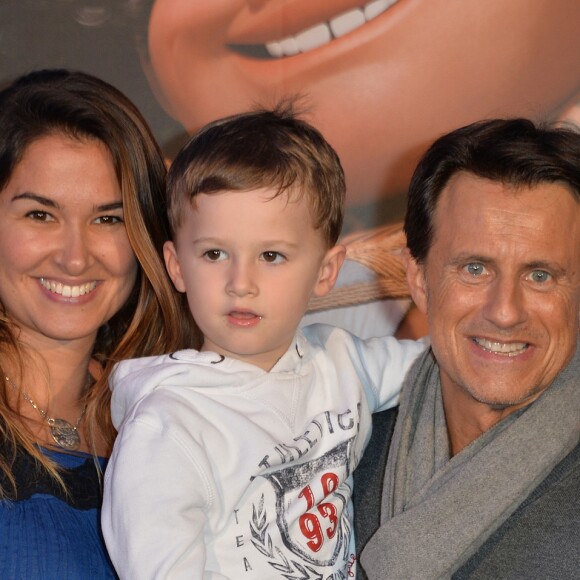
<point x="223" y="470"/>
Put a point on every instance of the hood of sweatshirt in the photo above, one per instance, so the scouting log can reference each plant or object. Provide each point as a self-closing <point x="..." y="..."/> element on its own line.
<point x="134" y="379"/>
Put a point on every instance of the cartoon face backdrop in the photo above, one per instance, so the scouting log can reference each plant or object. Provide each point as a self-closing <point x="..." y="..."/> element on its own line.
<point x="380" y="79"/>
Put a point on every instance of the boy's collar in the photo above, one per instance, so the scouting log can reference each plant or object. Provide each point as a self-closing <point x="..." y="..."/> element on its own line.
<point x="292" y="358"/>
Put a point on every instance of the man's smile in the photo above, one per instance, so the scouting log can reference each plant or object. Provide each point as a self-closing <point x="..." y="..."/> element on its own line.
<point x="502" y="348"/>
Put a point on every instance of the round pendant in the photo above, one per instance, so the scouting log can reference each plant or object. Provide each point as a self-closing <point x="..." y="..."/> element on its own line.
<point x="64" y="434"/>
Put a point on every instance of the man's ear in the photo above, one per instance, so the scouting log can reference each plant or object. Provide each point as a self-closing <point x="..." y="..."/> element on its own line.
<point x="329" y="270"/>
<point x="172" y="265"/>
<point x="416" y="281"/>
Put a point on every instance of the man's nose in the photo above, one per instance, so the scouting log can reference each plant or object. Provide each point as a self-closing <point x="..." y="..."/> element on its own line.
<point x="506" y="305"/>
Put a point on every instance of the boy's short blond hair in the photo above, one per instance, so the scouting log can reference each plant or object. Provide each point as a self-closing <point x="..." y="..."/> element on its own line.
<point x="260" y="149"/>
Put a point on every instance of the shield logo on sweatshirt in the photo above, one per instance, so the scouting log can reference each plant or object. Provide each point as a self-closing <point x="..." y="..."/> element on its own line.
<point x="311" y="506"/>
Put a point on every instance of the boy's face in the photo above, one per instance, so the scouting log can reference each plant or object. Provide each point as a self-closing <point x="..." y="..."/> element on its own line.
<point x="249" y="264"/>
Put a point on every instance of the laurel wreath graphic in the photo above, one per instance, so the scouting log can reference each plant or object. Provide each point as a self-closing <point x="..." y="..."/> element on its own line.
<point x="291" y="570"/>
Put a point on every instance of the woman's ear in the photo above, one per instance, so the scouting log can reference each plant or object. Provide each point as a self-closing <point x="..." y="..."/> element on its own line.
<point x="329" y="269"/>
<point x="172" y="265"/>
<point x="416" y="281"/>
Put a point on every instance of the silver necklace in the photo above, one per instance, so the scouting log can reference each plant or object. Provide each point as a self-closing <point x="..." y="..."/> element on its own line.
<point x="64" y="434"/>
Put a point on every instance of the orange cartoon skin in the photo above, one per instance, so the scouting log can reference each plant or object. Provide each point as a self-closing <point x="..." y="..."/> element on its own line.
<point x="380" y="92"/>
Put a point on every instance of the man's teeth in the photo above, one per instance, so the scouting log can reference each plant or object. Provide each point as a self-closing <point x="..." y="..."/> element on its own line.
<point x="323" y="33"/>
<point x="68" y="291"/>
<point x="506" y="348"/>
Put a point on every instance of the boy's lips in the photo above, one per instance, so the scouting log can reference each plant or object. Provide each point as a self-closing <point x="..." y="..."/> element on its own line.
<point x="255" y="37"/>
<point x="243" y="318"/>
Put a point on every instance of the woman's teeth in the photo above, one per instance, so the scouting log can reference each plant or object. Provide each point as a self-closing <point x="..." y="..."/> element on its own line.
<point x="66" y="290"/>
<point x="323" y="33"/>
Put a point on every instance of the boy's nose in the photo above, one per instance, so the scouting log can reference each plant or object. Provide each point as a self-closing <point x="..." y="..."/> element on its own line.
<point x="241" y="282"/>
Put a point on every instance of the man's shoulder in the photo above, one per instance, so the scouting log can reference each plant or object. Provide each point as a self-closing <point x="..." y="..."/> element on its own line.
<point x="540" y="539"/>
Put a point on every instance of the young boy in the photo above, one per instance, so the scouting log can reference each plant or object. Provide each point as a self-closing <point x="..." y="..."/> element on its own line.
<point x="235" y="461"/>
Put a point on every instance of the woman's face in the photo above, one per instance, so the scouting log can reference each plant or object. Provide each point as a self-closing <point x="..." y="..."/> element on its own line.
<point x="66" y="264"/>
<point x="381" y="92"/>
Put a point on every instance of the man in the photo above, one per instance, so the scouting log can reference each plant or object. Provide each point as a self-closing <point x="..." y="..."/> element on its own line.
<point x="483" y="473"/>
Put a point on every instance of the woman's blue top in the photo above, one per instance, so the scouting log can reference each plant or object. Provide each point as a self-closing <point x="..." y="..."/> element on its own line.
<point x="45" y="533"/>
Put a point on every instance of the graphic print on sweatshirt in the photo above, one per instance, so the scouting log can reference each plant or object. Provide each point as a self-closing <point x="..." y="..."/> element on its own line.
<point x="296" y="512"/>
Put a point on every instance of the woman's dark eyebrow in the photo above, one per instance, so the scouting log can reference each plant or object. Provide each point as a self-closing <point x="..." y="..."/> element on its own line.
<point x="110" y="206"/>
<point x="37" y="198"/>
<point x="45" y="201"/>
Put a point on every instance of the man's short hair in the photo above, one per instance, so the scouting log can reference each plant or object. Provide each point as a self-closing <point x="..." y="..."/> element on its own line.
<point x="515" y="152"/>
<point x="261" y="149"/>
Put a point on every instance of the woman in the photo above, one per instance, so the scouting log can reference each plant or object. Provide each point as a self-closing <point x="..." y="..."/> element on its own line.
<point x="82" y="285"/>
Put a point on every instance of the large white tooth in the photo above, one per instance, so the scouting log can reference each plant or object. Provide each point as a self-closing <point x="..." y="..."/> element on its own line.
<point x="75" y="291"/>
<point x="313" y="37"/>
<point x="67" y="291"/>
<point x="289" y="46"/>
<point x="274" y="49"/>
<point x="347" y="22"/>
<point x="58" y="288"/>
<point x="377" y="7"/>
<point x="323" y="33"/>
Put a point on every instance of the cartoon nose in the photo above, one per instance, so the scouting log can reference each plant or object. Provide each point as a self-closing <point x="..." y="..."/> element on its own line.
<point x="257" y="4"/>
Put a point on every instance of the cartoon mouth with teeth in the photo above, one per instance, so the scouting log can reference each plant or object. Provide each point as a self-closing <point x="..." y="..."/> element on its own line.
<point x="380" y="79"/>
<point x="318" y="34"/>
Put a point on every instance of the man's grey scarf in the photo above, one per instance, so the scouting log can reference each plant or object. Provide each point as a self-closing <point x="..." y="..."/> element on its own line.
<point x="438" y="511"/>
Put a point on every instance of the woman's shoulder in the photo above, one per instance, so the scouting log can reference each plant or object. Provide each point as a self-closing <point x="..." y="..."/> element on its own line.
<point x="80" y="472"/>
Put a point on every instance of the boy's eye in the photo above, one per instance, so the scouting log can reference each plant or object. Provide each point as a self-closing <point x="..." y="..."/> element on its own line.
<point x="273" y="257"/>
<point x="38" y="215"/>
<point x="109" y="220"/>
<point x="215" y="255"/>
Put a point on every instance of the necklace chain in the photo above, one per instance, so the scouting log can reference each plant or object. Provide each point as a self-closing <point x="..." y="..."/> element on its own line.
<point x="64" y="433"/>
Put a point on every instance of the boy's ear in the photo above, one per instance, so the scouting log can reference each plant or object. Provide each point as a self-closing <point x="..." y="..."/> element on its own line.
<point x="329" y="270"/>
<point x="416" y="281"/>
<point x="172" y="265"/>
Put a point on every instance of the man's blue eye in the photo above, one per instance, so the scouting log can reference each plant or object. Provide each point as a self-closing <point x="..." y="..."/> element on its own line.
<point x="540" y="276"/>
<point x="475" y="269"/>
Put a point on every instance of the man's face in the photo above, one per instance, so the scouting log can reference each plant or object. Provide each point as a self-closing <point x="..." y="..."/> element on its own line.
<point x="501" y="287"/>
<point x="386" y="79"/>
